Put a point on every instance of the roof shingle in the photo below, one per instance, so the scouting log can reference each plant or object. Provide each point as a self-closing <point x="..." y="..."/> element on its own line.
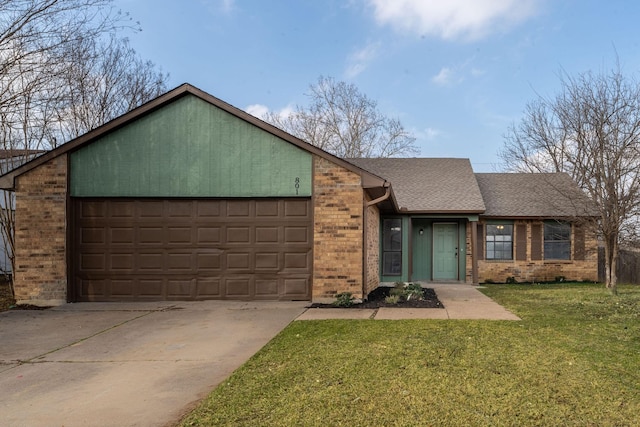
<point x="429" y="185"/>
<point x="550" y="195"/>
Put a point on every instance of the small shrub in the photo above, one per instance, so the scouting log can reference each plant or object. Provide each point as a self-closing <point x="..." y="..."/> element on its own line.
<point x="344" y="299"/>
<point x="560" y="279"/>
<point x="511" y="280"/>
<point x="414" y="291"/>
<point x="392" y="299"/>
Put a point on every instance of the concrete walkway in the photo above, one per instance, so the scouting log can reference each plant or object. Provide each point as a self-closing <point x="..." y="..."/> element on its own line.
<point x="460" y="302"/>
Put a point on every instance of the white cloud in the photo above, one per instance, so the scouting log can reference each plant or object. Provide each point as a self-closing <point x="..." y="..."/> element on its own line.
<point x="360" y="60"/>
<point x="216" y="6"/>
<point x="443" y="77"/>
<point x="477" y="72"/>
<point x="431" y="133"/>
<point x="453" y="19"/>
<point x="260" y="111"/>
<point x="257" y="110"/>
<point x="227" y="5"/>
<point x="457" y="73"/>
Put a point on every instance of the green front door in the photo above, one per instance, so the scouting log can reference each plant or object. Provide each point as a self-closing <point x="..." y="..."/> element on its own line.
<point x="445" y="251"/>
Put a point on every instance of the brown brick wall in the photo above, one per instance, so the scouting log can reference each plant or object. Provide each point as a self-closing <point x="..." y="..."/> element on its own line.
<point x="469" y="255"/>
<point x="373" y="249"/>
<point x="338" y="230"/>
<point x="532" y="270"/>
<point x="40" y="275"/>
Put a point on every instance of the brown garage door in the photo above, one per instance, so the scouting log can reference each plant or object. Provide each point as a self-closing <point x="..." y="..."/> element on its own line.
<point x="177" y="249"/>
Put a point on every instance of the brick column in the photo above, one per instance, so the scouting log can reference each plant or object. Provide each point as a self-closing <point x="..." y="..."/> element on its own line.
<point x="338" y="231"/>
<point x="40" y="276"/>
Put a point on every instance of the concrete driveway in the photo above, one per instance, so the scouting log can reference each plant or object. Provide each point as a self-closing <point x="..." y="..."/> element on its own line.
<point x="126" y="364"/>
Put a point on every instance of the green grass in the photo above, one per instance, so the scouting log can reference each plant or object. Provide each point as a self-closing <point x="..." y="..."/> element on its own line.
<point x="574" y="359"/>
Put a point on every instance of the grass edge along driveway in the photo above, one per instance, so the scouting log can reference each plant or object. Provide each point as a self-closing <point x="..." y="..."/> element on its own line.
<point x="572" y="360"/>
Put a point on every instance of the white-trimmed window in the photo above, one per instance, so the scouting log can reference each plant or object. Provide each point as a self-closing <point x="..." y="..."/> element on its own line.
<point x="499" y="241"/>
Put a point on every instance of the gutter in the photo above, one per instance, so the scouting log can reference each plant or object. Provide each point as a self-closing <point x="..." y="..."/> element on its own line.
<point x="365" y="270"/>
<point x="382" y="198"/>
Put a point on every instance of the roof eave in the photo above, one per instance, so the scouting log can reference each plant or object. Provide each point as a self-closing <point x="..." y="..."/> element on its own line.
<point x="441" y="212"/>
<point x="7" y="181"/>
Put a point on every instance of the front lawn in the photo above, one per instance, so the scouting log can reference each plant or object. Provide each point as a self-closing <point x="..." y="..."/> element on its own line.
<point x="573" y="360"/>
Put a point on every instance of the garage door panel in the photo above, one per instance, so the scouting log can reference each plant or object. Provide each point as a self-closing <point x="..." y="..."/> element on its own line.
<point x="150" y="263"/>
<point x="297" y="235"/>
<point x="208" y="235"/>
<point x="93" y="287"/>
<point x="267" y="261"/>
<point x="122" y="262"/>
<point x="238" y="262"/>
<point x="267" y="235"/>
<point x="238" y="287"/>
<point x="296" y="261"/>
<point x="180" y="288"/>
<point x="172" y="249"/>
<point x="208" y="288"/>
<point x="94" y="210"/>
<point x="93" y="261"/>
<point x="296" y="286"/>
<point x="149" y="287"/>
<point x="179" y="236"/>
<point x="150" y="235"/>
<point x="296" y="208"/>
<point x="93" y="235"/>
<point x="239" y="235"/>
<point x="267" y="288"/>
<point x="208" y="208"/>
<point x="238" y="208"/>
<point x="180" y="209"/>
<point x="209" y="261"/>
<point x="122" y="235"/>
<point x="150" y="209"/>
<point x="267" y="208"/>
<point x="124" y="288"/>
<point x="180" y="262"/>
<point x="121" y="210"/>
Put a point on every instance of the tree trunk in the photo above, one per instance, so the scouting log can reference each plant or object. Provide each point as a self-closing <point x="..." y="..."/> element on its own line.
<point x="611" y="264"/>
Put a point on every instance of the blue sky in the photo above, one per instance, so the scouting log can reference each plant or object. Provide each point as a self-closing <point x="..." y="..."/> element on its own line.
<point x="456" y="73"/>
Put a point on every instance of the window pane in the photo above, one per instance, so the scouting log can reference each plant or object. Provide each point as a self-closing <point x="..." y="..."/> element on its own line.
<point x="392" y="247"/>
<point x="392" y="263"/>
<point x="557" y="240"/>
<point x="499" y="241"/>
<point x="392" y="235"/>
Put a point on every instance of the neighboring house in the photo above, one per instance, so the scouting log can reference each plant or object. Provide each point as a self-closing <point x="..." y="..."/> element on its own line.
<point x="189" y="198"/>
<point x="10" y="159"/>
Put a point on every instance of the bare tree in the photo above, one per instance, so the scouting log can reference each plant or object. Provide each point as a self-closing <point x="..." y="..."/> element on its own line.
<point x="63" y="71"/>
<point x="590" y="130"/>
<point x="103" y="80"/>
<point x="345" y="122"/>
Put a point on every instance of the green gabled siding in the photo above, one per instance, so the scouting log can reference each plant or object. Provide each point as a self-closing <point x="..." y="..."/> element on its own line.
<point x="190" y="148"/>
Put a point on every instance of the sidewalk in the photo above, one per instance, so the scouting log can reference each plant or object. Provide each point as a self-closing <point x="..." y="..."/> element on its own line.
<point x="460" y="302"/>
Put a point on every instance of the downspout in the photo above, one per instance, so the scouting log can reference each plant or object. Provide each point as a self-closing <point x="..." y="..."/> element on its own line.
<point x="365" y="253"/>
<point x="386" y="195"/>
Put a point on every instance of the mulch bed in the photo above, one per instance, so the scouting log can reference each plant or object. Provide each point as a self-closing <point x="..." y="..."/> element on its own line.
<point x="376" y="298"/>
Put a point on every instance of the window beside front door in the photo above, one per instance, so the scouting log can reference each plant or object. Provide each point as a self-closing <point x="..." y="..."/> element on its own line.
<point x="557" y="240"/>
<point x="392" y="247"/>
<point x="499" y="241"/>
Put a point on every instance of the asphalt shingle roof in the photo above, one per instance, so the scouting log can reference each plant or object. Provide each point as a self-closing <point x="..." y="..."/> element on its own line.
<point x="532" y="195"/>
<point x="429" y="185"/>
